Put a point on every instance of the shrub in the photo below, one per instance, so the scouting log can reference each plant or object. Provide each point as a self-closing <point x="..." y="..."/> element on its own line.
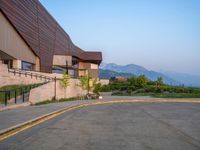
<point x="141" y="81"/>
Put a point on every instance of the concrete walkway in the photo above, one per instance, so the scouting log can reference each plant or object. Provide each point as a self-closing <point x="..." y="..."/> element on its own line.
<point x="9" y="118"/>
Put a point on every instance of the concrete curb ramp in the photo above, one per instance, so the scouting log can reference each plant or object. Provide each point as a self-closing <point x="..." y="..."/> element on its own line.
<point x="6" y="133"/>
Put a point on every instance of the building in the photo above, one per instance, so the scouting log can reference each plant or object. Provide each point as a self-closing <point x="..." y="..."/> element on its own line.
<point x="119" y="78"/>
<point x="31" y="39"/>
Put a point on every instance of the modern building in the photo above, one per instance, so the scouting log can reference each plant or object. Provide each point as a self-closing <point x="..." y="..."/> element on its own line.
<point x="31" y="39"/>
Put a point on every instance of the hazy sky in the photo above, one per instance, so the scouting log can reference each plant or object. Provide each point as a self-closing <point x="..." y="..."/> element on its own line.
<point x="157" y="34"/>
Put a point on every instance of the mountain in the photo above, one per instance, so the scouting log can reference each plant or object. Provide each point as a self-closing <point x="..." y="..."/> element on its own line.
<point x="107" y="74"/>
<point x="187" y="79"/>
<point x="132" y="69"/>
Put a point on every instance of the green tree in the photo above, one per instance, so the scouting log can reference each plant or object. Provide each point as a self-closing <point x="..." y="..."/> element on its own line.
<point x="87" y="83"/>
<point x="97" y="88"/>
<point x="132" y="81"/>
<point x="159" y="81"/>
<point x="141" y="81"/>
<point x="65" y="82"/>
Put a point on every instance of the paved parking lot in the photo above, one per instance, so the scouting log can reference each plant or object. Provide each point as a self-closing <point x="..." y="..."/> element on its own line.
<point x="123" y="126"/>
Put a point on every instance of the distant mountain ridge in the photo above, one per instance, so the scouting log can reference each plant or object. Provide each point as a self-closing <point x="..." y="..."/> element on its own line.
<point x="132" y="69"/>
<point x="187" y="79"/>
<point x="107" y="74"/>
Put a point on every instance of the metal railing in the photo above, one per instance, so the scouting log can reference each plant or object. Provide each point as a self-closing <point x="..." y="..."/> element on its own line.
<point x="17" y="94"/>
<point x="31" y="74"/>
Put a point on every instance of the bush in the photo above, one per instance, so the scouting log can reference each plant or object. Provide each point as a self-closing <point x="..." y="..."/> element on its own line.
<point x="141" y="81"/>
<point x="97" y="88"/>
<point x="105" y="88"/>
<point x="140" y="91"/>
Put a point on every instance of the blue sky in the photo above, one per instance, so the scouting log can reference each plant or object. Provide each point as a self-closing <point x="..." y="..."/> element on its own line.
<point x="156" y="34"/>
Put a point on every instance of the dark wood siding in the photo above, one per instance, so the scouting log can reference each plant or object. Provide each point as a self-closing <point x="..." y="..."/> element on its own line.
<point x="41" y="32"/>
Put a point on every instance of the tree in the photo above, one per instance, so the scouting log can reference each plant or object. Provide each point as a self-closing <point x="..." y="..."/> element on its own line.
<point x="132" y="81"/>
<point x="65" y="81"/>
<point x="97" y="88"/>
<point x="141" y="81"/>
<point x="87" y="83"/>
<point x="159" y="82"/>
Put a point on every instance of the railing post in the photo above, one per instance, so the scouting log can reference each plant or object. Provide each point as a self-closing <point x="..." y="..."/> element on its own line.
<point x="23" y="96"/>
<point x="9" y="95"/>
<point x="5" y="98"/>
<point x="21" y="90"/>
<point x="55" y="88"/>
<point x="15" y="96"/>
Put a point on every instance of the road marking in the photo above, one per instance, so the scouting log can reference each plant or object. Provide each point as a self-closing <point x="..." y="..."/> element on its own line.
<point x="21" y="127"/>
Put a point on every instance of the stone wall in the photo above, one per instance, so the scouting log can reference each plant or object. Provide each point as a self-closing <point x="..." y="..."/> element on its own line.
<point x="47" y="91"/>
<point x="104" y="82"/>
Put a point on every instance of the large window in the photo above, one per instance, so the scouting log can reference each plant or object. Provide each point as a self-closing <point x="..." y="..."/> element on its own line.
<point x="59" y="71"/>
<point x="27" y="66"/>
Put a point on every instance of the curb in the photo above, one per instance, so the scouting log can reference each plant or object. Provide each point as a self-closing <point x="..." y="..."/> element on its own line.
<point x="15" y="106"/>
<point x="5" y="133"/>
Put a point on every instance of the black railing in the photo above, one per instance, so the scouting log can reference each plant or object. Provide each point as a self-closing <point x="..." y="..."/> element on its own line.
<point x="31" y="74"/>
<point x="17" y="94"/>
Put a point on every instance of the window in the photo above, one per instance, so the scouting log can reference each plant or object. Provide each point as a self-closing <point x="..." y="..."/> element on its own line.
<point x="9" y="63"/>
<point x="27" y="66"/>
<point x="59" y="71"/>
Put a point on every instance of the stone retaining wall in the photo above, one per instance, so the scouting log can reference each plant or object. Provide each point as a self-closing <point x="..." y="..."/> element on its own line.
<point x="7" y="78"/>
<point x="47" y="91"/>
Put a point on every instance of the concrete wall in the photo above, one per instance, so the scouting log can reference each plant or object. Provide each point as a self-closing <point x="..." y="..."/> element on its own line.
<point x="104" y="82"/>
<point x="47" y="91"/>
<point x="12" y="44"/>
<point x="61" y="60"/>
<point x="7" y="78"/>
<point x="93" y="69"/>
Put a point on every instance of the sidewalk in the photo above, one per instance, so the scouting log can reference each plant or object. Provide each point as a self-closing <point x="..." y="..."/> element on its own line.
<point x="16" y="116"/>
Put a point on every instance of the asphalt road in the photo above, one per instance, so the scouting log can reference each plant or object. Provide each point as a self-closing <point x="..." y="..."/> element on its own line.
<point x="119" y="126"/>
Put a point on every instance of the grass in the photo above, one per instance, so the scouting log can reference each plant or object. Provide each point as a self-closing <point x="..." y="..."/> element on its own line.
<point x="18" y="88"/>
<point x="177" y="95"/>
<point x="161" y="95"/>
<point x="62" y="100"/>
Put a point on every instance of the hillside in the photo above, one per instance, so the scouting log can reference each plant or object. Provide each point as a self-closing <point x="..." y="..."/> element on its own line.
<point x="107" y="74"/>
<point x="111" y="69"/>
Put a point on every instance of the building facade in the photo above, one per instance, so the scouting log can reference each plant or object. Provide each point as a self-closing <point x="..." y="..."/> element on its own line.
<point x="31" y="39"/>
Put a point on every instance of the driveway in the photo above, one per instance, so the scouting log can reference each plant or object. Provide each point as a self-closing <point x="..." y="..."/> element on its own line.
<point x="118" y="126"/>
